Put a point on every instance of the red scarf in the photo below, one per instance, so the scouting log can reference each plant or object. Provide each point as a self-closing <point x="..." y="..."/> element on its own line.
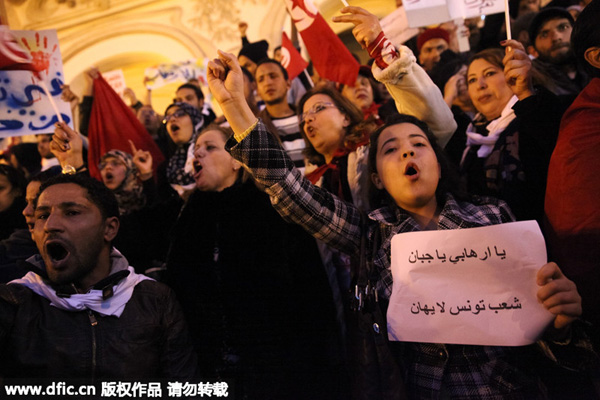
<point x="333" y="165"/>
<point x="373" y="110"/>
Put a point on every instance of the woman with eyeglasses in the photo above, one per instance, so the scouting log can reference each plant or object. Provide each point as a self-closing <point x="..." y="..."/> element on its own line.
<point x="334" y="134"/>
<point x="329" y="122"/>
<point x="181" y="120"/>
<point x="413" y="190"/>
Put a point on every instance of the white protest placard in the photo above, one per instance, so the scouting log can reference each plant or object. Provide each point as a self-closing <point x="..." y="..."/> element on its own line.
<point x="431" y="12"/>
<point x="395" y="26"/>
<point x="164" y="74"/>
<point x="468" y="286"/>
<point x="426" y="12"/>
<point x="24" y="107"/>
<point x="116" y="80"/>
<point x="475" y="8"/>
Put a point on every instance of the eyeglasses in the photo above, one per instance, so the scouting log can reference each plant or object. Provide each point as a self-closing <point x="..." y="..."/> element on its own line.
<point x="113" y="162"/>
<point x="315" y="109"/>
<point x="177" y="114"/>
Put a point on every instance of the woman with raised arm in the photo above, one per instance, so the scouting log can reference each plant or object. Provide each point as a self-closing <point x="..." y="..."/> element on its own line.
<point x="330" y="123"/>
<point x="337" y="137"/>
<point x="512" y="137"/>
<point x="251" y="286"/>
<point x="409" y="177"/>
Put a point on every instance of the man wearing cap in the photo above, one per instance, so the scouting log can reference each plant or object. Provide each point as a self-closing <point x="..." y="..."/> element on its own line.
<point x="251" y="54"/>
<point x="550" y="35"/>
<point x="431" y="44"/>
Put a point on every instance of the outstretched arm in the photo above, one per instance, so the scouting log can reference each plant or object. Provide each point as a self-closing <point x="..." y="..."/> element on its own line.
<point x="395" y="66"/>
<point x="297" y="200"/>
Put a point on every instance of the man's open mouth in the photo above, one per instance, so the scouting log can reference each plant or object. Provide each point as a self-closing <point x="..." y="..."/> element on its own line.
<point x="56" y="251"/>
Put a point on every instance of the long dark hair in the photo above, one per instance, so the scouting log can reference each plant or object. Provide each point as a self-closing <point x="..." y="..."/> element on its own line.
<point x="354" y="131"/>
<point x="449" y="179"/>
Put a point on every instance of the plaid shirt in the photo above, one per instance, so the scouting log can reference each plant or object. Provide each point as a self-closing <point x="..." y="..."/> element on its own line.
<point x="431" y="370"/>
<point x="336" y="222"/>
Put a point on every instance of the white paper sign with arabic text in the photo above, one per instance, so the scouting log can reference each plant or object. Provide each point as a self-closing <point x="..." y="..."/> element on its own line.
<point x="24" y="106"/>
<point x="468" y="286"/>
<point x="430" y="12"/>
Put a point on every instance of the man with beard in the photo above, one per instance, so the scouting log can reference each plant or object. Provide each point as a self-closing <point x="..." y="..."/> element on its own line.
<point x="431" y="44"/>
<point x="550" y="35"/>
<point x="272" y="85"/>
<point x="96" y="319"/>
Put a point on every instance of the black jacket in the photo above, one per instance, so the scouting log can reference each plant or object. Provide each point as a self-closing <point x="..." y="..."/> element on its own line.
<point x="256" y="297"/>
<point x="148" y="342"/>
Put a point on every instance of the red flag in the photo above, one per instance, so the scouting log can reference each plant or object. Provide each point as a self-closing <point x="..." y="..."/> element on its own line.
<point x="112" y="124"/>
<point x="291" y="60"/>
<point x="12" y="55"/>
<point x="330" y="57"/>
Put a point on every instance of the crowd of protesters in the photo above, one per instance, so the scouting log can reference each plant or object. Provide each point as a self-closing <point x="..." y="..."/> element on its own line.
<point x="254" y="217"/>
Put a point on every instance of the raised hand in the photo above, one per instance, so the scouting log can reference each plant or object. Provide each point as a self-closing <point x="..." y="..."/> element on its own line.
<point x="517" y="69"/>
<point x="452" y="87"/>
<point x="142" y="160"/>
<point x="129" y="94"/>
<point x="226" y="83"/>
<point x="67" y="95"/>
<point x="90" y="75"/>
<point x="559" y="295"/>
<point x="366" y="25"/>
<point x="67" y="145"/>
<point x="242" y="27"/>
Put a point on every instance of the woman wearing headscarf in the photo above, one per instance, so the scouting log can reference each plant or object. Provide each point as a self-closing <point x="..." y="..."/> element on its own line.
<point x="182" y="121"/>
<point x="121" y="175"/>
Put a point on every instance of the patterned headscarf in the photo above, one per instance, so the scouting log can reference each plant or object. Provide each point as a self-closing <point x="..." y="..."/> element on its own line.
<point x="129" y="194"/>
<point x="175" y="167"/>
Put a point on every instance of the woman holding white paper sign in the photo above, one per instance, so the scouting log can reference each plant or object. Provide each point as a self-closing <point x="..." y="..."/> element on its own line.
<point x="409" y="178"/>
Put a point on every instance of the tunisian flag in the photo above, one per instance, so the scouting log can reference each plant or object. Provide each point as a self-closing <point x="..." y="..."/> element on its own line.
<point x="291" y="60"/>
<point x="112" y="124"/>
<point x="330" y="57"/>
